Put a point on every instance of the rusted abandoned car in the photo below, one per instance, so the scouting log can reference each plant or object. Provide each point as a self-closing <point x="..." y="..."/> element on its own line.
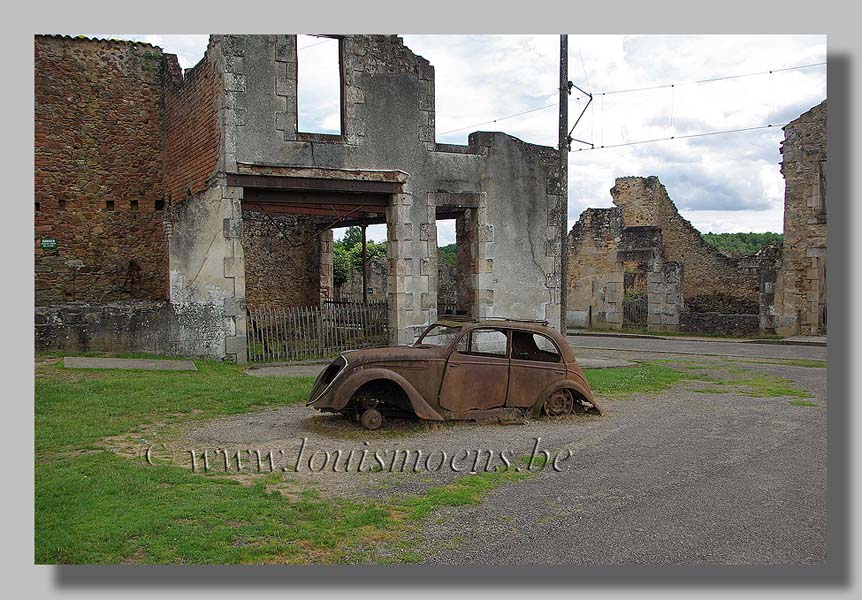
<point x="463" y="370"/>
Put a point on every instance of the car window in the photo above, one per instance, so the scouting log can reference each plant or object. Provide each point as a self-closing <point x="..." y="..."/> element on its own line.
<point x="491" y="342"/>
<point x="438" y="335"/>
<point x="528" y="345"/>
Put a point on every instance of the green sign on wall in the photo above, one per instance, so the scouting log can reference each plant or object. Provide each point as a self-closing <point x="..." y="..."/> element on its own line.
<point x="48" y="243"/>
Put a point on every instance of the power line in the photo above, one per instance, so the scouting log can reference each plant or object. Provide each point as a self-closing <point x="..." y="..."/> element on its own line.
<point x="708" y="80"/>
<point x="679" y="137"/>
<point x="529" y="110"/>
<point x="640" y="89"/>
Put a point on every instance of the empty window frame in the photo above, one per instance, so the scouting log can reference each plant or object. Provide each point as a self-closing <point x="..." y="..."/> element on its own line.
<point x="319" y="87"/>
<point x="527" y="345"/>
<point x="488" y="342"/>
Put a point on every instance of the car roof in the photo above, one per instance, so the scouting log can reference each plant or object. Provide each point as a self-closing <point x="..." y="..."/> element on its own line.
<point x="496" y="322"/>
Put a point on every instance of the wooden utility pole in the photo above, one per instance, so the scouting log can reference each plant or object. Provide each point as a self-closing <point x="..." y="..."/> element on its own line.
<point x="364" y="267"/>
<point x="564" y="176"/>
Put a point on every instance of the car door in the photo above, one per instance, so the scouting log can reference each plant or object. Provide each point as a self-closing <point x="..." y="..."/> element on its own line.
<point x="477" y="371"/>
<point x="535" y="364"/>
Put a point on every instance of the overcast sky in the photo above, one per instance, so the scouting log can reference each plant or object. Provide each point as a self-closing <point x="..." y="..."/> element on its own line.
<point x="720" y="183"/>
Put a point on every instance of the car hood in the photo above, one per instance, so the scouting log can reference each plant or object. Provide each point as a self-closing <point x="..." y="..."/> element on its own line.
<point x="392" y="354"/>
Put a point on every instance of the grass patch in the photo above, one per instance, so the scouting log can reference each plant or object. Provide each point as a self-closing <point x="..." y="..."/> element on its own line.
<point x="648" y="378"/>
<point x="802" y="403"/>
<point x="789" y="362"/>
<point x="76" y="407"/>
<point x="101" y="509"/>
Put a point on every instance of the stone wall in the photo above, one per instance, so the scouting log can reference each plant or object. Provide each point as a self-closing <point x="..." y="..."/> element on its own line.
<point x="389" y="128"/>
<point x="134" y="326"/>
<point x="162" y="154"/>
<point x="282" y="258"/>
<point x="351" y="290"/>
<point x="619" y="276"/>
<point x="800" y="301"/>
<point x="99" y="172"/>
<point x="719" y="323"/>
<point x="645" y="201"/>
<point x="595" y="279"/>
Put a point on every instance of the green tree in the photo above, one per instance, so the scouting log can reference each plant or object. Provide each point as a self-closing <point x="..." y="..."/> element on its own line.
<point x="741" y="244"/>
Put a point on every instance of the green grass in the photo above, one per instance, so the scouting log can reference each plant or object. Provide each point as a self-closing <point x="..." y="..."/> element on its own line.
<point x="789" y="362"/>
<point x="648" y="378"/>
<point x="78" y="407"/>
<point x="802" y="403"/>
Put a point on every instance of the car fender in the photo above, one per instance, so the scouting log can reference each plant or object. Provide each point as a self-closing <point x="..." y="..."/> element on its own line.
<point x="569" y="384"/>
<point x="363" y="375"/>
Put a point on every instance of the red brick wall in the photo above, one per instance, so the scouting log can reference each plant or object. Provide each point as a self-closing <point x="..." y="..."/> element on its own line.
<point x="191" y="130"/>
<point x="99" y="176"/>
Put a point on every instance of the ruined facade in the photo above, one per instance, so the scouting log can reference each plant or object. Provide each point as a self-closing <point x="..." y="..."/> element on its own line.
<point x="780" y="289"/>
<point x="641" y="264"/>
<point x="620" y="275"/>
<point x="221" y="141"/>
<point x="800" y="297"/>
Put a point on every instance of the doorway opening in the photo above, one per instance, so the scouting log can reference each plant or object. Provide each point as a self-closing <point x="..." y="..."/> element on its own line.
<point x="457" y="272"/>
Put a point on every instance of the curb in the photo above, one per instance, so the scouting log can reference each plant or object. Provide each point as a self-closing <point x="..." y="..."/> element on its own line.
<point x="785" y="342"/>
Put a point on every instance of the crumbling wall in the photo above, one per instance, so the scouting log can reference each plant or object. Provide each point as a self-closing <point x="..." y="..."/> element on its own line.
<point x="800" y="302"/>
<point x="99" y="173"/>
<point x="645" y="201"/>
<point x="595" y="277"/>
<point x="282" y="258"/>
<point x="192" y="129"/>
<point x="134" y="326"/>
<point x="351" y="289"/>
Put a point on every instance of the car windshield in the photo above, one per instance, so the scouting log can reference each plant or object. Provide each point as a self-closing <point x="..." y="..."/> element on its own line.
<point x="438" y="335"/>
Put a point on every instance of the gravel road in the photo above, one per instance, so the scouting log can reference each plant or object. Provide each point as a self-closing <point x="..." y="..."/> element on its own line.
<point x="691" y="475"/>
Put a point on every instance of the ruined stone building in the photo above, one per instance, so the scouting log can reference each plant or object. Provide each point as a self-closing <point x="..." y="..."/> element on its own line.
<point x="166" y="202"/>
<point x="800" y="296"/>
<point x="641" y="264"/>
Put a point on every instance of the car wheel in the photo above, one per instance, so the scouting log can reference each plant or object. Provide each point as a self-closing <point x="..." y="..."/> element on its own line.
<point x="371" y="419"/>
<point x="558" y="404"/>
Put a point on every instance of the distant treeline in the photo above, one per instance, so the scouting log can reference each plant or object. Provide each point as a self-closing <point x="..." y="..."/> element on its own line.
<point x="741" y="244"/>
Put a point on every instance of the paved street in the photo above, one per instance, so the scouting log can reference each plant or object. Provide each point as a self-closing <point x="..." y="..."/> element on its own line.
<point x="683" y="346"/>
<point x="683" y="477"/>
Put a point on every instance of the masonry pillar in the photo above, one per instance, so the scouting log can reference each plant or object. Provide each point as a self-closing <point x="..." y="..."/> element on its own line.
<point x="403" y="289"/>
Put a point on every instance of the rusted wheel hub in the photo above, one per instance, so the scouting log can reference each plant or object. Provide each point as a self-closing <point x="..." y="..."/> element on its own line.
<point x="371" y="419"/>
<point x="559" y="403"/>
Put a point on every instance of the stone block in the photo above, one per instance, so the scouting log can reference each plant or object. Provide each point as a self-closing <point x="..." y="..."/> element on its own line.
<point x="285" y="86"/>
<point x="428" y="301"/>
<point x="236" y="344"/>
<point x="485" y="297"/>
<point x="234" y="307"/>
<point x="234" y="267"/>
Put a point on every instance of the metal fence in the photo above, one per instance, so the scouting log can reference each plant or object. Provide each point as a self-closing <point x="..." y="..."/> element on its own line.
<point x="445" y="309"/>
<point x="308" y="332"/>
<point x="635" y="311"/>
